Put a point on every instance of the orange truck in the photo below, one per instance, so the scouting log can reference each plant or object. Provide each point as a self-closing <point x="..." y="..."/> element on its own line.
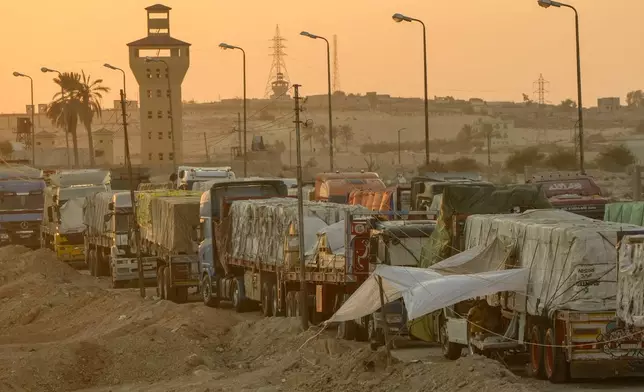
<point x="337" y="187"/>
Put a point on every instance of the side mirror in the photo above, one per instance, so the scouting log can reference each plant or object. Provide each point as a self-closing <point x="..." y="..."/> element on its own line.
<point x="107" y="217"/>
<point x="110" y="206"/>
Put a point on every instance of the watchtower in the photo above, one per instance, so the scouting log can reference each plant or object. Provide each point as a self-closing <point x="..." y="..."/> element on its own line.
<point x="160" y="63"/>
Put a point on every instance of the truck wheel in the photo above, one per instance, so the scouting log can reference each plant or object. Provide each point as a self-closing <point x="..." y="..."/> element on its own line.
<point x="451" y="351"/>
<point x="374" y="334"/>
<point x="297" y="310"/>
<point x="237" y="300"/>
<point x="267" y="301"/>
<point x="346" y="330"/>
<point x="170" y="292"/>
<point x="207" y="292"/>
<point x="555" y="365"/>
<point x="160" y="283"/>
<point x="290" y="305"/>
<point x="536" y="353"/>
<point x="92" y="262"/>
<point x="100" y="263"/>
<point x="277" y="312"/>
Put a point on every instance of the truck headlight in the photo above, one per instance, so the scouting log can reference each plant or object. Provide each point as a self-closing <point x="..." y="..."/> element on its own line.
<point x="4" y="236"/>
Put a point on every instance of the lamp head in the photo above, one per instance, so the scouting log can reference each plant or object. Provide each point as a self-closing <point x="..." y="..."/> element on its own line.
<point x="307" y="34"/>
<point x="548" y="3"/>
<point x="17" y="74"/>
<point x="106" y="65"/>
<point x="397" y="17"/>
<point x="225" y="46"/>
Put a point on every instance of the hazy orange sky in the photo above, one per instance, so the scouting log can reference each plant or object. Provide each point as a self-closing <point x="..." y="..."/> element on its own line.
<point x="492" y="49"/>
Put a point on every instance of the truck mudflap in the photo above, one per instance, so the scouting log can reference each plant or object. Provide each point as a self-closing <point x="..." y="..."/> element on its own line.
<point x="127" y="269"/>
<point x="185" y="270"/>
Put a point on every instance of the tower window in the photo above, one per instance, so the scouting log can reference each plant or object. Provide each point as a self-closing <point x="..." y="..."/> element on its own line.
<point x="158" y="93"/>
<point x="169" y="114"/>
<point x="160" y="156"/>
<point x="160" y="114"/>
<point x="170" y="135"/>
<point x="160" y="135"/>
<point x="171" y="156"/>
<point x="150" y="135"/>
<point x="167" y="75"/>
<point x="149" y="113"/>
<point x="148" y="73"/>
<point x="149" y="93"/>
<point x="167" y="94"/>
<point x="149" y="156"/>
<point x="158" y="73"/>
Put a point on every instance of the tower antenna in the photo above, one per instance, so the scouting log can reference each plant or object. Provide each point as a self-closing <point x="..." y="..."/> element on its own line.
<point x="539" y="89"/>
<point x="336" y="65"/>
<point x="278" y="81"/>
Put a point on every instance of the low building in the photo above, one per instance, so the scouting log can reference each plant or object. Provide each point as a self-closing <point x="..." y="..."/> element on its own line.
<point x="608" y="104"/>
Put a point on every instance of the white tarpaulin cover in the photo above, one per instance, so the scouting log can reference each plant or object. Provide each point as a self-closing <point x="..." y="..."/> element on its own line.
<point x="71" y="216"/>
<point x="572" y="259"/>
<point x="427" y="290"/>
<point x="630" y="281"/>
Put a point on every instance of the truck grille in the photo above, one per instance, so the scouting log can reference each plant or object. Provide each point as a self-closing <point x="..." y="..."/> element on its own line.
<point x="13" y="227"/>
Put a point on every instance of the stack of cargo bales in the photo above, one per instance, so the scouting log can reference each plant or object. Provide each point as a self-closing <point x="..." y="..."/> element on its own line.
<point x="471" y="200"/>
<point x="95" y="208"/>
<point x="625" y="212"/>
<point x="572" y="259"/>
<point x="630" y="281"/>
<point x="260" y="228"/>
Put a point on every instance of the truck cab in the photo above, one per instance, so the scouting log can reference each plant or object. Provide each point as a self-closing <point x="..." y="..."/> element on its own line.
<point x="213" y="210"/>
<point x="21" y="206"/>
<point x="572" y="192"/>
<point x="336" y="187"/>
<point x="188" y="175"/>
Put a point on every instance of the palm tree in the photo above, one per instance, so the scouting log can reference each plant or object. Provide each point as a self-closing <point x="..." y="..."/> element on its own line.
<point x="90" y="93"/>
<point x="65" y="108"/>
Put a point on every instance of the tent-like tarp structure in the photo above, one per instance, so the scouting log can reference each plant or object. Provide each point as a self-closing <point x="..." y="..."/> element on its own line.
<point x="626" y="212"/>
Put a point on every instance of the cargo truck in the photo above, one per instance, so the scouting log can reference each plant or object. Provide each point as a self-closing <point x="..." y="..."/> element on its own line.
<point x="249" y="250"/>
<point x="108" y="248"/>
<point x="565" y="320"/>
<point x="21" y="205"/>
<point x="168" y="221"/>
<point x="120" y="177"/>
<point x="62" y="226"/>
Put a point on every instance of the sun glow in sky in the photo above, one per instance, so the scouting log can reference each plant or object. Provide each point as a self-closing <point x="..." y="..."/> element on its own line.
<point x="493" y="49"/>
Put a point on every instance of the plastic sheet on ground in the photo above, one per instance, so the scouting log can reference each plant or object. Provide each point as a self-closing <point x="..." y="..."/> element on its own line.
<point x="572" y="259"/>
<point x="630" y="282"/>
<point x="260" y="227"/>
<point x="71" y="216"/>
<point x="427" y="290"/>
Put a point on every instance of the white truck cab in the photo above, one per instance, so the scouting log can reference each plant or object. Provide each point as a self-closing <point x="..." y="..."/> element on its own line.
<point x="188" y="175"/>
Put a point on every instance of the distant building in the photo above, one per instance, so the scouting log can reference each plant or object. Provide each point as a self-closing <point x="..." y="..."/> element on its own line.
<point x="129" y="104"/>
<point x="171" y="60"/>
<point x="608" y="105"/>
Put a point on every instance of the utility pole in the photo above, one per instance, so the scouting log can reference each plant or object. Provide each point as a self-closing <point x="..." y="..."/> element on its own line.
<point x="137" y="231"/>
<point x="205" y="141"/>
<point x="300" y="212"/>
<point x="239" y="131"/>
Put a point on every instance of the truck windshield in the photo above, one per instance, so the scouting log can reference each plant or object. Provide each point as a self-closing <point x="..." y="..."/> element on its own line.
<point x="21" y="202"/>
<point x="122" y="223"/>
<point x="581" y="187"/>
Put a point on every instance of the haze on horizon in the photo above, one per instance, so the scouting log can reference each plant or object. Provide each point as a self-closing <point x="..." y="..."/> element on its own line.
<point x="489" y="49"/>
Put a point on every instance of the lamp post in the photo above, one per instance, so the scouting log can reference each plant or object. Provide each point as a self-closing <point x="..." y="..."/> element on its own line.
<point x="62" y="96"/>
<point x="580" y="110"/>
<point x="33" y="109"/>
<point x="400" y="130"/>
<point x="225" y="46"/>
<point x="128" y="162"/>
<point x="167" y="67"/>
<point x="402" y="18"/>
<point x="328" y="67"/>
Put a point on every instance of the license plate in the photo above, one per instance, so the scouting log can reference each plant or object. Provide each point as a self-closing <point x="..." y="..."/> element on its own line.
<point x="25" y="235"/>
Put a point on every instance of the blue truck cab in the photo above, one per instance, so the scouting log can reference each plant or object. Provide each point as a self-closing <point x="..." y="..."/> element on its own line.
<point x="218" y="279"/>
<point x="21" y="206"/>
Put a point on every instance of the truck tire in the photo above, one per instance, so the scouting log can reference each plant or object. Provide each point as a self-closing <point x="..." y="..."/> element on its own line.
<point x="297" y="310"/>
<point x="100" y="263"/>
<point x="277" y="312"/>
<point x="556" y="367"/>
<point x="160" y="282"/>
<point x="237" y="300"/>
<point x="346" y="330"/>
<point x="290" y="305"/>
<point x="451" y="350"/>
<point x="207" y="291"/>
<point x="92" y="263"/>
<point x="374" y="334"/>
<point x="536" y="353"/>
<point x="267" y="301"/>
<point x="170" y="292"/>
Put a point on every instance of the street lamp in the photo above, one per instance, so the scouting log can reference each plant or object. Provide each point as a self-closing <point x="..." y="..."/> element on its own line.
<point x="580" y="109"/>
<point x="167" y="67"/>
<point x="402" y="18"/>
<point x="113" y="68"/>
<point x="328" y="66"/>
<point x="400" y="130"/>
<point x="225" y="46"/>
<point x="33" y="109"/>
<point x="62" y="97"/>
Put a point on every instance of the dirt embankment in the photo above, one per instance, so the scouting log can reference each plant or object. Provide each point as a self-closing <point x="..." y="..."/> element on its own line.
<point x="60" y="331"/>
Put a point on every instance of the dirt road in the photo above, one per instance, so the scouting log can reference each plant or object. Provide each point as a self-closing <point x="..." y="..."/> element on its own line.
<point x="61" y="330"/>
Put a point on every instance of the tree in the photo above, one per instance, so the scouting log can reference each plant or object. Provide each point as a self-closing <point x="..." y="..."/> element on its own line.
<point x="518" y="160"/>
<point x="568" y="104"/>
<point x="344" y="132"/>
<point x="6" y="148"/>
<point x="465" y="134"/>
<point x="615" y="158"/>
<point x="66" y="107"/>
<point x="635" y="99"/>
<point x="562" y="160"/>
<point x="90" y="94"/>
